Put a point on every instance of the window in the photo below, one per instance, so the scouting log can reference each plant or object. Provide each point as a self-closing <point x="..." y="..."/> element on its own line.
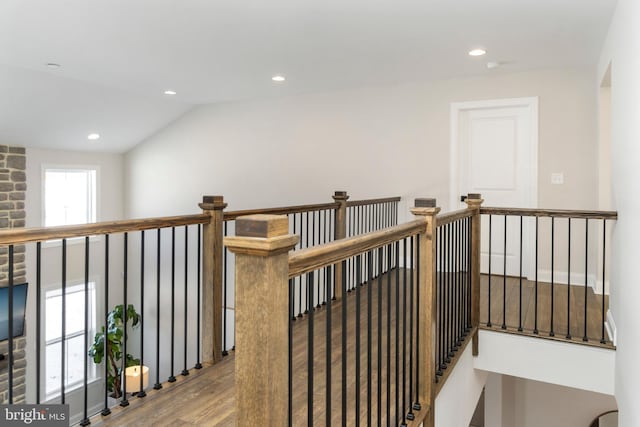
<point x="75" y="352"/>
<point x="69" y="196"/>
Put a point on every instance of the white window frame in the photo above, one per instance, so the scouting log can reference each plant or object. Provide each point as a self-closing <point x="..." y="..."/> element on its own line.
<point x="93" y="373"/>
<point x="96" y="197"/>
<point x="95" y="209"/>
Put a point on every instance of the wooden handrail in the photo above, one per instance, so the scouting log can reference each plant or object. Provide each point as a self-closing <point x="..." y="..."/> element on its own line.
<point x="39" y="234"/>
<point x="311" y="259"/>
<point x="283" y="210"/>
<point x="373" y="201"/>
<point x="557" y="213"/>
<point x="449" y="217"/>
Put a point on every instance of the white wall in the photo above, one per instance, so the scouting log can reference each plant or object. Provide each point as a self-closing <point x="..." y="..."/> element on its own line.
<point x="458" y="397"/>
<point x="371" y="142"/>
<point x="621" y="50"/>
<point x="517" y="402"/>
<point x="556" y="362"/>
<point x="110" y="207"/>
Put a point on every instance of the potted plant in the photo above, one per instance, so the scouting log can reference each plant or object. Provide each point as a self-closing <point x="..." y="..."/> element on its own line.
<point x="114" y="341"/>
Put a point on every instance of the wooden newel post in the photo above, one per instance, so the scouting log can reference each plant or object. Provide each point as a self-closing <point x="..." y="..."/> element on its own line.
<point x="212" y="278"/>
<point x="474" y="201"/>
<point x="340" y="233"/>
<point x="426" y="209"/>
<point x="261" y="246"/>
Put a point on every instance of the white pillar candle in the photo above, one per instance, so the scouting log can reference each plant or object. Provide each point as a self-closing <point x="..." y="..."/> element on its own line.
<point x="132" y="374"/>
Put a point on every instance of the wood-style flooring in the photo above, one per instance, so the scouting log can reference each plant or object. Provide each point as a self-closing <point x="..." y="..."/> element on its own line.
<point x="568" y="319"/>
<point x="206" y="396"/>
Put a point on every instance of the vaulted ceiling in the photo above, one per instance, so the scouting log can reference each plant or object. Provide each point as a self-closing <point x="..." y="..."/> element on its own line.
<point x="117" y="57"/>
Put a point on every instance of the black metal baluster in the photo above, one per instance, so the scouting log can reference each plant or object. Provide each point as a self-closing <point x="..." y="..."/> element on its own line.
<point x="85" y="419"/>
<point x="124" y="401"/>
<point x="535" y="309"/>
<point x="308" y="305"/>
<point x="416" y="404"/>
<point x="157" y="385"/>
<point x="310" y="350"/>
<point x="397" y="313"/>
<point x="440" y="299"/>
<point x="520" y="283"/>
<point x="38" y="317"/>
<point x="568" y="336"/>
<point x="388" y="377"/>
<point x="198" y="338"/>
<point x="357" y="352"/>
<point x="585" y="338"/>
<point x="404" y="332"/>
<point x="504" y="277"/>
<point x="604" y="263"/>
<point x="449" y="297"/>
<point x="141" y="393"/>
<point x="63" y="354"/>
<point x="343" y="304"/>
<point x="410" y="415"/>
<point x="185" y="371"/>
<point x="327" y="277"/>
<point x="328" y="362"/>
<point x="106" y="410"/>
<point x="445" y="296"/>
<point x="379" y="406"/>
<point x="172" y="378"/>
<point x="10" y="327"/>
<point x="551" y="332"/>
<point x="458" y="301"/>
<point x="292" y="318"/>
<point x="300" y="277"/>
<point x="489" y="278"/>
<point x="313" y="227"/>
<point x="292" y="295"/>
<point x="369" y="334"/>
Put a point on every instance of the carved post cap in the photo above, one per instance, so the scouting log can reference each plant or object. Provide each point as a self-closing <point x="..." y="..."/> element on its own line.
<point x="340" y="195"/>
<point x="261" y="235"/>
<point x="425" y="203"/>
<point x="210" y="203"/>
<point x="474" y="196"/>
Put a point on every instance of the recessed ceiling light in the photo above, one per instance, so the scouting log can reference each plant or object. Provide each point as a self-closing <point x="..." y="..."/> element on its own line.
<point x="93" y="136"/>
<point x="170" y="92"/>
<point x="477" y="52"/>
<point x="53" y="65"/>
<point x="278" y="78"/>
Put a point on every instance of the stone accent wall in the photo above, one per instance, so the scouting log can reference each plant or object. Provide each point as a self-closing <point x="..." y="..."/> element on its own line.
<point x="13" y="187"/>
<point x="19" y="370"/>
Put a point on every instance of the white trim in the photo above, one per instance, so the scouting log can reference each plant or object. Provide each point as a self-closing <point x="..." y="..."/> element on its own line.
<point x="79" y="167"/>
<point x="610" y="325"/>
<point x="532" y="191"/>
<point x="577" y="279"/>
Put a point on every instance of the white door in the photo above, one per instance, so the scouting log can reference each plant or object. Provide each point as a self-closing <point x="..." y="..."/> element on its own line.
<point x="494" y="150"/>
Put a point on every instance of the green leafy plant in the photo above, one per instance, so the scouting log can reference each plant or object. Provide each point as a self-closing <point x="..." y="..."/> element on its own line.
<point x="114" y="340"/>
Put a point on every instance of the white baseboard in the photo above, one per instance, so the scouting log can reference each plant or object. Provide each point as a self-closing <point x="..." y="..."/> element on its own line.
<point x="577" y="279"/>
<point x="610" y="325"/>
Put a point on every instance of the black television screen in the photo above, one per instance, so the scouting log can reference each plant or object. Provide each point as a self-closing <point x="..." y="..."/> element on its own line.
<point x="19" y="307"/>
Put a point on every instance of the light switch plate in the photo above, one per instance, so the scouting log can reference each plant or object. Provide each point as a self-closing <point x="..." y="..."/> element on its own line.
<point x="557" y="178"/>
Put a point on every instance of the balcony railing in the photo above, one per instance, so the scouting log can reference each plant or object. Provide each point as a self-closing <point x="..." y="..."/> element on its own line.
<point x="337" y="313"/>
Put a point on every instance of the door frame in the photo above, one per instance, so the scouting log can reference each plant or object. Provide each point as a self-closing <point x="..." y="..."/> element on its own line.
<point x="531" y="103"/>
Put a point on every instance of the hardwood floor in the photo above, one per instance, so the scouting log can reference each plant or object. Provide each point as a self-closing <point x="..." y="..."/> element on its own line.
<point x="572" y="314"/>
<point x="206" y="396"/>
